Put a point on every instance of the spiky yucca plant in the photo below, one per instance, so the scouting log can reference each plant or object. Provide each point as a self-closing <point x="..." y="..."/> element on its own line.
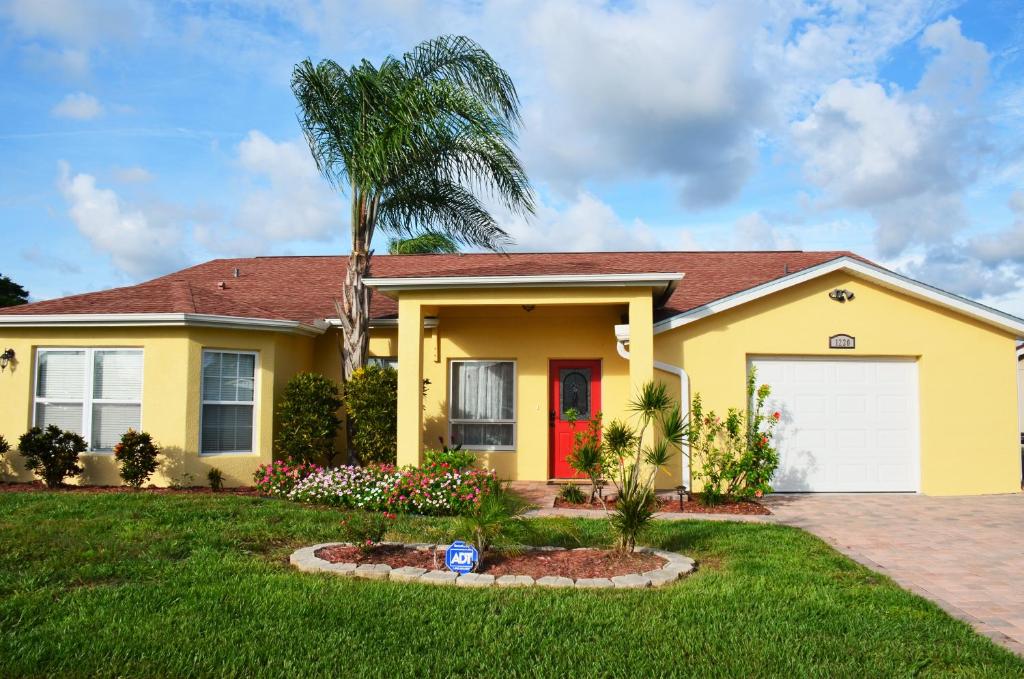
<point x="635" y="464"/>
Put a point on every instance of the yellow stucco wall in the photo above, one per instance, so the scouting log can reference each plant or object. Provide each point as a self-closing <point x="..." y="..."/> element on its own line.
<point x="172" y="362"/>
<point x="967" y="370"/>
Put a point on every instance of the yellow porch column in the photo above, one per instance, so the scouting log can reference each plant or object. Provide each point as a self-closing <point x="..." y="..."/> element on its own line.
<point x="410" y="380"/>
<point x="641" y="345"/>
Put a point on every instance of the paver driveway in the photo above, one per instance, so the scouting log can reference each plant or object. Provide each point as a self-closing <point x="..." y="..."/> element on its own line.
<point x="964" y="553"/>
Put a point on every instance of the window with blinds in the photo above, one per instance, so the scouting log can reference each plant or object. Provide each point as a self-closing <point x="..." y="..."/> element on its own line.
<point x="229" y="402"/>
<point x="93" y="392"/>
<point x="483" y="410"/>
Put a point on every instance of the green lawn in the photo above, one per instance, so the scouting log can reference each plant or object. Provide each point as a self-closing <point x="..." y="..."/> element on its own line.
<point x="174" y="585"/>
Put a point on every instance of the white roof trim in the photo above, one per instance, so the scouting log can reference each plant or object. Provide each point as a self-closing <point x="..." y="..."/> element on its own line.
<point x="388" y="285"/>
<point x="151" y="320"/>
<point x="883" y="277"/>
<point x="428" y="322"/>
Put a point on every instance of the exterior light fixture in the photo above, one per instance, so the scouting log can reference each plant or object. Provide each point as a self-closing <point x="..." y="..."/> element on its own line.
<point x="681" y="493"/>
<point x="6" y="358"/>
<point x="841" y="295"/>
<point x="601" y="483"/>
<point x="529" y="307"/>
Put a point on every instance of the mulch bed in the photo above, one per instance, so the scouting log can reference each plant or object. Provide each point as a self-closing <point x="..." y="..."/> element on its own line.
<point x="671" y="504"/>
<point x="38" y="486"/>
<point x="694" y="506"/>
<point x="569" y="563"/>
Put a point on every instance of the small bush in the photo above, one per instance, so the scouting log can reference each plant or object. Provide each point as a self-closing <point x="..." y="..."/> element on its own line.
<point x="734" y="457"/>
<point x="448" y="459"/>
<point x="4" y="445"/>
<point x="216" y="479"/>
<point x="308" y="418"/>
<point x="137" y="456"/>
<point x="495" y="522"/>
<point x="51" y="453"/>
<point x="371" y="401"/>
<point x="365" y="530"/>
<point x="572" y="493"/>
<point x="279" y="478"/>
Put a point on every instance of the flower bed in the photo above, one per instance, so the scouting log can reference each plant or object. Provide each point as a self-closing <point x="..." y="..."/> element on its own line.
<point x="583" y="568"/>
<point x="386" y="488"/>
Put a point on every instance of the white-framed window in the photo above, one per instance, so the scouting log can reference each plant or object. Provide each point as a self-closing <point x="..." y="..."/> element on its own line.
<point x="227" y="420"/>
<point x="482" y="395"/>
<point x="95" y="392"/>
<point x="383" y="361"/>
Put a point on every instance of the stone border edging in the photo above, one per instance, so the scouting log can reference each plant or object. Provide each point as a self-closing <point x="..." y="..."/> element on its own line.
<point x="306" y="560"/>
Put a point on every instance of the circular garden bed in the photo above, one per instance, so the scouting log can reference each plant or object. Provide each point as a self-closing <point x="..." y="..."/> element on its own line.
<point x="584" y="568"/>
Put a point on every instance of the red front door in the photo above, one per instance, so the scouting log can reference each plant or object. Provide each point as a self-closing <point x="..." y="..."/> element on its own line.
<point x="574" y="385"/>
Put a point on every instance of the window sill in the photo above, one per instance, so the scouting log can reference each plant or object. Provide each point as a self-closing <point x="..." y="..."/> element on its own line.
<point x="231" y="454"/>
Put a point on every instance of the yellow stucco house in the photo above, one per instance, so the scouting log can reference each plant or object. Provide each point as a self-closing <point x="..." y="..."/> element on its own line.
<point x="884" y="383"/>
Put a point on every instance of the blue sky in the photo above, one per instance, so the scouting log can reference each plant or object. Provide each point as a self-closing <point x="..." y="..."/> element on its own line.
<point x="141" y="137"/>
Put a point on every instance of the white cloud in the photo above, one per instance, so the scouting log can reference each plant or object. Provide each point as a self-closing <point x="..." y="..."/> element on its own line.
<point x="951" y="268"/>
<point x="78" y="106"/>
<point x="284" y="199"/>
<point x="78" y="22"/>
<point x="289" y="199"/>
<point x="585" y="224"/>
<point x="133" y="175"/>
<point x="137" y="244"/>
<point x="659" y="90"/>
<point x="754" y="232"/>
<point x="904" y="156"/>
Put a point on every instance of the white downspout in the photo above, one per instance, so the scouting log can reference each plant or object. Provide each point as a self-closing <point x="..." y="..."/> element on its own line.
<point x="684" y="401"/>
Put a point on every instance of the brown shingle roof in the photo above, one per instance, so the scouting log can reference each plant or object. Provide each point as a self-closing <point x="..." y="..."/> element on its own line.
<point x="304" y="288"/>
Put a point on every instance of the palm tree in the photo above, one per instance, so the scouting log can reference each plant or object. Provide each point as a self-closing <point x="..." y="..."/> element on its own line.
<point x="419" y="143"/>
<point x="428" y="243"/>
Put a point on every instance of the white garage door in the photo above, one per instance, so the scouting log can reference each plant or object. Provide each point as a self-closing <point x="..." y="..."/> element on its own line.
<point x="848" y="425"/>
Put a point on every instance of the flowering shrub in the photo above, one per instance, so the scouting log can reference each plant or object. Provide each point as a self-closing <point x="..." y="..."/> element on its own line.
<point x="385" y="488"/>
<point x="364" y="529"/>
<point x="280" y="477"/>
<point x="447" y="459"/>
<point x="736" y="456"/>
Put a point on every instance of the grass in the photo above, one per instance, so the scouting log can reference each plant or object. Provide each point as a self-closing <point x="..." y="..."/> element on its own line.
<point x="175" y="585"/>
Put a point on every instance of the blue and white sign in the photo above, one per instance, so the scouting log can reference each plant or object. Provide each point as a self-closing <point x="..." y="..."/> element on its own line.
<point x="460" y="557"/>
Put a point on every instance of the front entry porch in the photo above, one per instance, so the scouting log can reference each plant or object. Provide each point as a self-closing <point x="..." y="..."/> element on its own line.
<point x="483" y="375"/>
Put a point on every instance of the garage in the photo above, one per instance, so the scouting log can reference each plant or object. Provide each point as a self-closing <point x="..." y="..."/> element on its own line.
<point x="847" y="424"/>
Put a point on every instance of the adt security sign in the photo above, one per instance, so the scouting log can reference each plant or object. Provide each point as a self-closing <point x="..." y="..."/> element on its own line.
<point x="460" y="557"/>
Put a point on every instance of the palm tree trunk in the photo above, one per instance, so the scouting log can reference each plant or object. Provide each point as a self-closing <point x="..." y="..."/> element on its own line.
<point x="355" y="317"/>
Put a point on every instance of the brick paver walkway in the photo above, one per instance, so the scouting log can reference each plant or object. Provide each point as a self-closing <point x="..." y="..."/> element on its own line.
<point x="964" y="553"/>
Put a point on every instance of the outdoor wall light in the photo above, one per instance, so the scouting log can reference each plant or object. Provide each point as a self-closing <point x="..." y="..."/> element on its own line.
<point x="529" y="307"/>
<point x="681" y="492"/>
<point x="841" y="295"/>
<point x="6" y="358"/>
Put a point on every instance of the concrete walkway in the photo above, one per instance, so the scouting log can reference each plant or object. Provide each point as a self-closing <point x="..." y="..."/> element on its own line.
<point x="964" y="553"/>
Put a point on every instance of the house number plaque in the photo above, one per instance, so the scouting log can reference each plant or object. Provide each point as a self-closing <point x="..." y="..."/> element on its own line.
<point x="842" y="341"/>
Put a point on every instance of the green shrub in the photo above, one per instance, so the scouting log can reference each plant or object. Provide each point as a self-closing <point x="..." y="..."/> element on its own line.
<point x="216" y="479"/>
<point x="365" y="530"/>
<point x="634" y="464"/>
<point x="371" y="401"/>
<point x="587" y="456"/>
<point x="4" y="445"/>
<point x="308" y="418"/>
<point x="51" y="453"/>
<point x="497" y="521"/>
<point x="734" y="457"/>
<point x="137" y="457"/>
<point x="454" y="459"/>
<point x="573" y="494"/>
